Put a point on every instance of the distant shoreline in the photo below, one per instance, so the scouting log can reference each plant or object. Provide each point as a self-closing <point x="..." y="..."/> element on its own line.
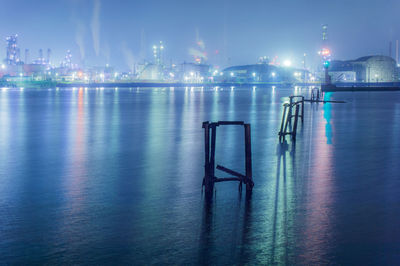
<point x="333" y="88"/>
<point x="342" y="87"/>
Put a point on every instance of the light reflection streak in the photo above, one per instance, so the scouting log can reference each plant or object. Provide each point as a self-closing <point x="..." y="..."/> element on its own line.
<point x="319" y="217"/>
<point x="76" y="180"/>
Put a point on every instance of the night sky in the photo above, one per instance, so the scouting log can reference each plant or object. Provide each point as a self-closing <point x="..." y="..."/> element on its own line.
<point x="122" y="33"/>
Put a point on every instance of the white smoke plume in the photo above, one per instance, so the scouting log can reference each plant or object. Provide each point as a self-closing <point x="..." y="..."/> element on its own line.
<point x="143" y="46"/>
<point x="95" y="26"/>
<point x="106" y="52"/>
<point x="128" y="55"/>
<point x="197" y="53"/>
<point x="80" y="38"/>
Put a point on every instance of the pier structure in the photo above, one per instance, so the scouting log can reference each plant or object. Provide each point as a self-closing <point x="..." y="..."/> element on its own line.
<point x="296" y="102"/>
<point x="210" y="137"/>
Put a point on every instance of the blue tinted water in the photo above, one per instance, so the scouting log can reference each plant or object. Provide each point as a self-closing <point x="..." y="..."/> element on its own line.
<point x="111" y="175"/>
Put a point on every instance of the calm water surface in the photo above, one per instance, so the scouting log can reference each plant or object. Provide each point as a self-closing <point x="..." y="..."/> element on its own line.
<point x="104" y="176"/>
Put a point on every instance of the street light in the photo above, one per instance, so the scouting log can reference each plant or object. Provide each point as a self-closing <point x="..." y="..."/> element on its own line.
<point x="287" y="63"/>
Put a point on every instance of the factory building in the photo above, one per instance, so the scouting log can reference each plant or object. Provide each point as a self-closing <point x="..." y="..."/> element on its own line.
<point x="151" y="72"/>
<point x="193" y="72"/>
<point x="264" y="73"/>
<point x="377" y="68"/>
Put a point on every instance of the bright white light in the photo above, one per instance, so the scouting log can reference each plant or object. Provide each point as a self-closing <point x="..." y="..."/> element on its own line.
<point x="254" y="74"/>
<point x="287" y="63"/>
<point x="3" y="66"/>
<point x="273" y="74"/>
<point x="191" y="73"/>
<point x="232" y="74"/>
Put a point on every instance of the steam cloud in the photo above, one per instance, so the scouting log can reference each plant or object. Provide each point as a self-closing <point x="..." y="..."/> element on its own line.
<point x="80" y="38"/>
<point x="95" y="26"/>
<point x="128" y="55"/>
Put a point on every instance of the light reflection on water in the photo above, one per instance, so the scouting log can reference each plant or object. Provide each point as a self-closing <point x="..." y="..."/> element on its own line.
<point x="114" y="175"/>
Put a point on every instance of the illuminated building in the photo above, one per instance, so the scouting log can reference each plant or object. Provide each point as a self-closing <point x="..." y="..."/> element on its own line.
<point x="194" y="72"/>
<point x="377" y="68"/>
<point x="158" y="51"/>
<point x="262" y="73"/>
<point x="12" y="50"/>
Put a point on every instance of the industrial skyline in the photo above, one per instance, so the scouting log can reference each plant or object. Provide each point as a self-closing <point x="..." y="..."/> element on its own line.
<point x="120" y="33"/>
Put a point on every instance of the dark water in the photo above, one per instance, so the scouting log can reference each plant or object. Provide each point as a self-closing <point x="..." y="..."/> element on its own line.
<point x="114" y="176"/>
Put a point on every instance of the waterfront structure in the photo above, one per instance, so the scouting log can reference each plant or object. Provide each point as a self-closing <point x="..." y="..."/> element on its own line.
<point x="376" y="68"/>
<point x="194" y="72"/>
<point x="153" y="72"/>
<point x="263" y="73"/>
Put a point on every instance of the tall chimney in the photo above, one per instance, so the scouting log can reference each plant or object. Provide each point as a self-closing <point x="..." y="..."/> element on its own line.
<point x="397" y="51"/>
<point x="26" y="56"/>
<point x="48" y="55"/>
<point x="40" y="56"/>
<point x="390" y="49"/>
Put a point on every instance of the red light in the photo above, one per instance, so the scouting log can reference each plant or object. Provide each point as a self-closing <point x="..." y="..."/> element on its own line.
<point x="325" y="52"/>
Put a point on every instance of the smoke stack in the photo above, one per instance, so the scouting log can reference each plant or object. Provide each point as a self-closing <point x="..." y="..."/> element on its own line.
<point x="41" y="56"/>
<point x="390" y="49"/>
<point x="48" y="55"/>
<point x="397" y="51"/>
<point x="26" y="56"/>
<point x="18" y="53"/>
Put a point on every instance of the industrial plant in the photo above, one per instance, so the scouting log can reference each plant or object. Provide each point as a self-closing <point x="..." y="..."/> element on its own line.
<point x="41" y="69"/>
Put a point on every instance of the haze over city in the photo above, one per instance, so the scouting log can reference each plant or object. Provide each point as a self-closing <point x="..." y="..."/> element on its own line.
<point x="121" y="33"/>
<point x="207" y="132"/>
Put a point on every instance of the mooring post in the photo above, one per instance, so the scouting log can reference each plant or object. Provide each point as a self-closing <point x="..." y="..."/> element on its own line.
<point x="302" y="109"/>
<point x="206" y="154"/>
<point x="249" y="170"/>
<point x="281" y="133"/>
<point x="288" y="120"/>
<point x="212" y="156"/>
<point x="296" y="116"/>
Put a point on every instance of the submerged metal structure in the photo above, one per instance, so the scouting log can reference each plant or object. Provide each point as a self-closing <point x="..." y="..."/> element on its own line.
<point x="210" y="137"/>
